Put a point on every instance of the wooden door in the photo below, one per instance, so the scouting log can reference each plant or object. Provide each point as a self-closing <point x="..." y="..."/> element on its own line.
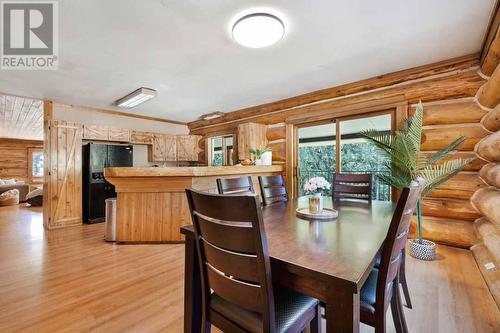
<point x="63" y="174"/>
<point x="187" y="147"/>
<point x="119" y="134"/>
<point x="158" y="149"/>
<point x="96" y="132"/>
<point x="141" y="137"/>
<point x="170" y="147"/>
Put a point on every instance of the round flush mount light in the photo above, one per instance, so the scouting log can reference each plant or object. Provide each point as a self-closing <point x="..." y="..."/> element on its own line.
<point x="258" y="30"/>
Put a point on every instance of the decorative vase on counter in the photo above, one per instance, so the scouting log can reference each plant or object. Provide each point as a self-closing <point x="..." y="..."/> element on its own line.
<point x="315" y="203"/>
<point x="267" y="158"/>
<point x="258" y="161"/>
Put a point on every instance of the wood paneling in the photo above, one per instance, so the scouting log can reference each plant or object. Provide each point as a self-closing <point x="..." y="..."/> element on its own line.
<point x="461" y="186"/>
<point x="489" y="94"/>
<point x="21" y="118"/>
<point x="187" y="147"/>
<point x="487" y="202"/>
<point x="437" y="137"/>
<point x="62" y="199"/>
<point x="279" y="151"/>
<point x="96" y="132"/>
<point x="451" y="112"/>
<point x="490" y="55"/>
<point x="489" y="148"/>
<point x="141" y="137"/>
<point x="491" y="121"/>
<point x="452" y="232"/>
<point x="490" y="174"/>
<point x="14" y="158"/>
<point x="250" y="135"/>
<point x="119" y="134"/>
<point x="449" y="208"/>
<point x="67" y="286"/>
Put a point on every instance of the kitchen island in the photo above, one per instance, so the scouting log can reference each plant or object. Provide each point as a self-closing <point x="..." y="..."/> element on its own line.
<point x="152" y="204"/>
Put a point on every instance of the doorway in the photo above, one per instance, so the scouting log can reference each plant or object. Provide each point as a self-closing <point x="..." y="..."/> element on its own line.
<point x="318" y="153"/>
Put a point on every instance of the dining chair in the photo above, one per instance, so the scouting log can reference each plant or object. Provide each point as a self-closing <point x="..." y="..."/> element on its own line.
<point x="273" y="189"/>
<point x="353" y="186"/>
<point x="240" y="185"/>
<point x="237" y="269"/>
<point x="381" y="287"/>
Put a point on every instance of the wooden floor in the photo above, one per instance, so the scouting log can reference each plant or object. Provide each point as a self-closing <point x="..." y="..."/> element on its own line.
<point x="72" y="281"/>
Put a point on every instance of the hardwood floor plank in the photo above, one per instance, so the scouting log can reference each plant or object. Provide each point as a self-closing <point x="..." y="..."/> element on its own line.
<point x="70" y="280"/>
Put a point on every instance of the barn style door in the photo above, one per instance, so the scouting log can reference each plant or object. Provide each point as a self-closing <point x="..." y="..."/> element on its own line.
<point x="63" y="174"/>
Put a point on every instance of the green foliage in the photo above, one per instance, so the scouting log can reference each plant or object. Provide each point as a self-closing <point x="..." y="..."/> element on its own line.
<point x="258" y="151"/>
<point x="406" y="161"/>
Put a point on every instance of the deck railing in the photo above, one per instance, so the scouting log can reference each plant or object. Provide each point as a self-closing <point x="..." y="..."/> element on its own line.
<point x="380" y="190"/>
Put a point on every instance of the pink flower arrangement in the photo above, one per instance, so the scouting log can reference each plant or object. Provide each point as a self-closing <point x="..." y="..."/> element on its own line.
<point x="316" y="185"/>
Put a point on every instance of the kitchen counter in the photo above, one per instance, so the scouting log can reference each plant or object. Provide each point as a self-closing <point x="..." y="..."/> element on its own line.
<point x="152" y="204"/>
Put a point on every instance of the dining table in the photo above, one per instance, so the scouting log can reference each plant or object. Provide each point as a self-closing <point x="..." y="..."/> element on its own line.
<point x="326" y="259"/>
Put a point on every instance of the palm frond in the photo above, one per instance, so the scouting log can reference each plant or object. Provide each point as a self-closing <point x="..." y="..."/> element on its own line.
<point x="415" y="126"/>
<point x="446" y="151"/>
<point x="436" y="175"/>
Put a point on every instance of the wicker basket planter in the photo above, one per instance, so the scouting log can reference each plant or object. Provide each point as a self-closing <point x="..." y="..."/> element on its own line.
<point x="423" y="251"/>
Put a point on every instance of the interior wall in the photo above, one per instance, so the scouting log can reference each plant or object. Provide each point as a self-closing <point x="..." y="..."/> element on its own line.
<point x="14" y="158"/>
<point x="90" y="116"/>
<point x="450" y="111"/>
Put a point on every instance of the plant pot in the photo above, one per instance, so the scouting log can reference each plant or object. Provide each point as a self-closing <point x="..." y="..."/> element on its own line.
<point x="267" y="158"/>
<point x="315" y="203"/>
<point x="423" y="251"/>
<point x="258" y="161"/>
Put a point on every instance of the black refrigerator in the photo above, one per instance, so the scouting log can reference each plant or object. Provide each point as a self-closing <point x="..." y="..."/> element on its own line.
<point x="96" y="189"/>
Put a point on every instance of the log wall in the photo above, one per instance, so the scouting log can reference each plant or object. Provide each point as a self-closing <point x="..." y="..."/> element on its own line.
<point x="486" y="200"/>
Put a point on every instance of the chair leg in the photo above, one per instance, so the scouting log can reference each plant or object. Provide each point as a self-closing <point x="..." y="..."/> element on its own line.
<point x="402" y="280"/>
<point x="398" y="311"/>
<point x="396" y="314"/>
<point x="315" y="325"/>
<point x="208" y="327"/>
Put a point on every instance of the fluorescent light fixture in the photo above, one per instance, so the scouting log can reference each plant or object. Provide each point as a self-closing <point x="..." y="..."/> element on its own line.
<point x="135" y="98"/>
<point x="211" y="115"/>
<point x="258" y="30"/>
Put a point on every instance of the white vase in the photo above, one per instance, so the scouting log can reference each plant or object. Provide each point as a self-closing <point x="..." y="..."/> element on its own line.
<point x="267" y="158"/>
<point x="258" y="162"/>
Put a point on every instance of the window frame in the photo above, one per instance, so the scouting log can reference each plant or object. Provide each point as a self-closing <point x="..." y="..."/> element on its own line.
<point x="34" y="179"/>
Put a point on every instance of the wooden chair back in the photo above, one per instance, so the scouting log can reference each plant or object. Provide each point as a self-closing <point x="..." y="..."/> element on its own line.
<point x="233" y="252"/>
<point x="235" y="186"/>
<point x="395" y="242"/>
<point x="273" y="189"/>
<point x="353" y="186"/>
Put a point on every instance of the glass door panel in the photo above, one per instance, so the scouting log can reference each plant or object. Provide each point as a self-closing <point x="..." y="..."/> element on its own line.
<point x="316" y="153"/>
<point x="357" y="155"/>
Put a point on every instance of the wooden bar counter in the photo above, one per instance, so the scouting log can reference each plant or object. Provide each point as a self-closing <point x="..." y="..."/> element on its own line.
<point x="152" y="204"/>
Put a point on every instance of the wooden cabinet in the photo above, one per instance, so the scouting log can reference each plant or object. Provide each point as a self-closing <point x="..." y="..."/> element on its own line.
<point x="250" y="135"/>
<point x="164" y="148"/>
<point x="144" y="138"/>
<point x="119" y="134"/>
<point x="187" y="147"/>
<point x="96" y="132"/>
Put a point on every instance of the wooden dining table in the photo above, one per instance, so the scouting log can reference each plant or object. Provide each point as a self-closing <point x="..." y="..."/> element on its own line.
<point x="329" y="260"/>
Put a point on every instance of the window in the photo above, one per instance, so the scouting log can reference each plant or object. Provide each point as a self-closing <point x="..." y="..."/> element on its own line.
<point x="318" y="155"/>
<point x="35" y="157"/>
<point x="221" y="150"/>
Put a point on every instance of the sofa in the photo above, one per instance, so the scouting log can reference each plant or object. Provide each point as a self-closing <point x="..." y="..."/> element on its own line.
<point x="20" y="186"/>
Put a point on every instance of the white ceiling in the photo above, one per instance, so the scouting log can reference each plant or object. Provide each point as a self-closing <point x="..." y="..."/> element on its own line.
<point x="183" y="49"/>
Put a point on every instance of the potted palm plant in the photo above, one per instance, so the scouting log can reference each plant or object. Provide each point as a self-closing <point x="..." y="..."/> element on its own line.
<point x="407" y="163"/>
<point x="258" y="152"/>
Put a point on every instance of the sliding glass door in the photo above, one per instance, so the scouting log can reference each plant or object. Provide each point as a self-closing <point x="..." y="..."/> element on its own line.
<point x="317" y="153"/>
<point x="357" y="155"/>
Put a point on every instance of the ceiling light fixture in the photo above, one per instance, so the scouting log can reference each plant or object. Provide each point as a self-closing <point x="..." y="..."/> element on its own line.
<point x="258" y="30"/>
<point x="136" y="97"/>
<point x="211" y="115"/>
